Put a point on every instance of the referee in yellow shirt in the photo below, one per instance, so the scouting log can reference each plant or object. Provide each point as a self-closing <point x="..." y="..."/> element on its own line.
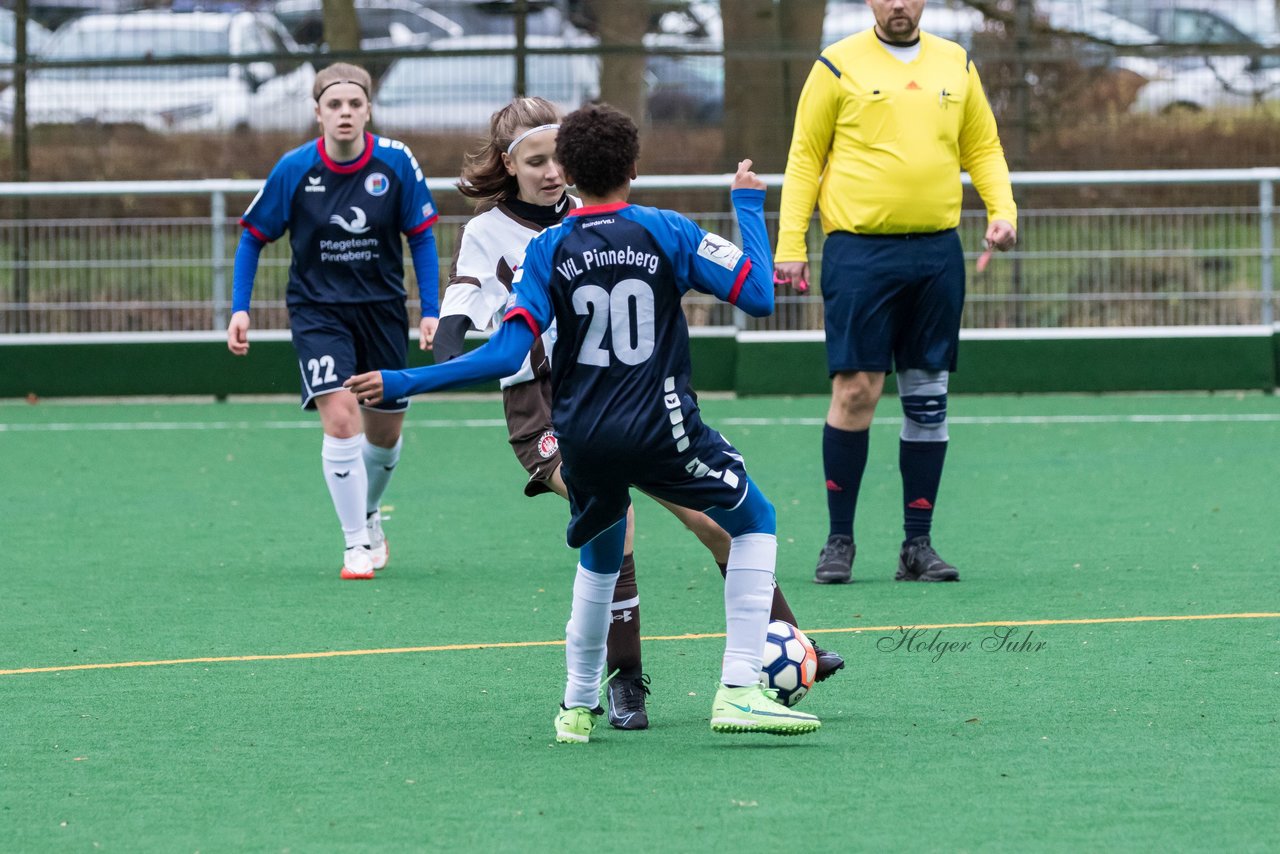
<point x="886" y="121"/>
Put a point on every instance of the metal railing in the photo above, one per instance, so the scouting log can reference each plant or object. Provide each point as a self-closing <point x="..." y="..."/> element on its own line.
<point x="1105" y="266"/>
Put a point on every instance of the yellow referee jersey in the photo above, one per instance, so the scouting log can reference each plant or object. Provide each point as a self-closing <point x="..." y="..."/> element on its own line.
<point x="879" y="144"/>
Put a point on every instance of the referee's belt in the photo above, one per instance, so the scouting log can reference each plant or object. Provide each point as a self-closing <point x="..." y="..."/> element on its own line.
<point x="908" y="235"/>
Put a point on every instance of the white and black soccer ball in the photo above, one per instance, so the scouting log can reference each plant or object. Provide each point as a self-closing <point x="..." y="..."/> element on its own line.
<point x="790" y="664"/>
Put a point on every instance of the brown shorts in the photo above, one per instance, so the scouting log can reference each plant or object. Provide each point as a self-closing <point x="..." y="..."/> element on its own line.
<point x="528" y="411"/>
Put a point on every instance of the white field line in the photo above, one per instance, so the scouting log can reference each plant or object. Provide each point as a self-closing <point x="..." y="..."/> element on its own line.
<point x="449" y="423"/>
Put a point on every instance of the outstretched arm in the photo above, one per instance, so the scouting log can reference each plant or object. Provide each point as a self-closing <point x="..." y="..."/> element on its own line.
<point x="501" y="356"/>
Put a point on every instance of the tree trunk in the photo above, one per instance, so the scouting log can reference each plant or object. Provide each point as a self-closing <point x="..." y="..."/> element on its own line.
<point x="622" y="23"/>
<point x="769" y="49"/>
<point x="341" y="29"/>
<point x="801" y="31"/>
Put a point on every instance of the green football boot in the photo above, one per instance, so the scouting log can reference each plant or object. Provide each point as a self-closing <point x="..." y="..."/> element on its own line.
<point x="573" y="726"/>
<point x="753" y="708"/>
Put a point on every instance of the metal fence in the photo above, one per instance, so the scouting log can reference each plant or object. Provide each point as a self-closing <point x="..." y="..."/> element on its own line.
<point x="1105" y="266"/>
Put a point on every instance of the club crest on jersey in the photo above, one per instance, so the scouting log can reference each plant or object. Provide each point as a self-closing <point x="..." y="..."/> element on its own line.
<point x="719" y="251"/>
<point x="359" y="223"/>
<point x="548" y="445"/>
<point x="377" y="184"/>
<point x="314" y="185"/>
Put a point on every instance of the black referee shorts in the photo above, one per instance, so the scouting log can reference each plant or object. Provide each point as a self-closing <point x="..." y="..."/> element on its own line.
<point x="892" y="301"/>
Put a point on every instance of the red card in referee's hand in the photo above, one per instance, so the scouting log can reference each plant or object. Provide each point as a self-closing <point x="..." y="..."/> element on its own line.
<point x="983" y="260"/>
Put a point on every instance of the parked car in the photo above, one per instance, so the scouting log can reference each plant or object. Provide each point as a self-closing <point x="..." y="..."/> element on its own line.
<point x="1257" y="18"/>
<point x="1071" y="16"/>
<point x="1190" y="26"/>
<point x="1180" y="24"/>
<point x="54" y="13"/>
<point x="217" y="96"/>
<point x="1244" y="77"/>
<point x="1219" y="82"/>
<point x="383" y="23"/>
<point x="461" y="91"/>
<point x="498" y="17"/>
<point x="1094" y="24"/>
<point x="686" y="89"/>
<point x="37" y="37"/>
<point x="695" y="22"/>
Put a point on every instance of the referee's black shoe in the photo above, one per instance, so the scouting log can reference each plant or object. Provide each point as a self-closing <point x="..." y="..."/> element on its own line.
<point x="835" y="561"/>
<point x="627" y="703"/>
<point x="919" y="562"/>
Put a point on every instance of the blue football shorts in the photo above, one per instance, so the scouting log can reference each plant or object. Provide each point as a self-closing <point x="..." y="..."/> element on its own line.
<point x="892" y="301"/>
<point x="337" y="341"/>
<point x="709" y="473"/>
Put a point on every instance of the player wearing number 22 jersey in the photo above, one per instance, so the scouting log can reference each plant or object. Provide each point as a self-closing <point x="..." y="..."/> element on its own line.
<point x="345" y="200"/>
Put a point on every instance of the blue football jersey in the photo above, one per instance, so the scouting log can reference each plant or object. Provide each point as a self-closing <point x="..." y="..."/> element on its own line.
<point x="344" y="220"/>
<point x="612" y="277"/>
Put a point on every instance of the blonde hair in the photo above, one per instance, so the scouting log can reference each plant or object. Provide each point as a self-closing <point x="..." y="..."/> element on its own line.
<point x="341" y="72"/>
<point x="484" y="175"/>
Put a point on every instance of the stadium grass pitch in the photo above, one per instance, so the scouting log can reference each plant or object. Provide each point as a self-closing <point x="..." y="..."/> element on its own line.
<point x="414" y="712"/>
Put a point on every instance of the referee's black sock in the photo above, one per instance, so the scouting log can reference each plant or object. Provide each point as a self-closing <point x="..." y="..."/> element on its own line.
<point x="921" y="466"/>
<point x="844" y="459"/>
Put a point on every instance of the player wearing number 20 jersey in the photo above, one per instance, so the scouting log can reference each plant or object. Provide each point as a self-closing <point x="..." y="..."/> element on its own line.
<point x="613" y="275"/>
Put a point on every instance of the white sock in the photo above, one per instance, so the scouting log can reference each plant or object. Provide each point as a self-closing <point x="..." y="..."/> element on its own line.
<point x="380" y="464"/>
<point x="748" y="595"/>
<point x="585" y="636"/>
<point x="348" y="484"/>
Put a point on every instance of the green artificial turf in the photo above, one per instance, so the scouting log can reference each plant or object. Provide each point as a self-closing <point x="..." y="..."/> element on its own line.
<point x="155" y="531"/>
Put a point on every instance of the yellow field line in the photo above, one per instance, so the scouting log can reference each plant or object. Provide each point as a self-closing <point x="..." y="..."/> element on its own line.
<point x="457" y="647"/>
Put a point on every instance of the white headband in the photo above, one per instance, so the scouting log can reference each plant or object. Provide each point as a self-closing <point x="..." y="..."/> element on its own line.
<point x="529" y="132"/>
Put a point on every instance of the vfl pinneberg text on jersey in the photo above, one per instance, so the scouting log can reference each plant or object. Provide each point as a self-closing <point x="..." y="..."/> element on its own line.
<point x="594" y="258"/>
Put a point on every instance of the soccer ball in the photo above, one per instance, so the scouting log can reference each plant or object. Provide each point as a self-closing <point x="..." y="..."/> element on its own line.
<point x="789" y="662"/>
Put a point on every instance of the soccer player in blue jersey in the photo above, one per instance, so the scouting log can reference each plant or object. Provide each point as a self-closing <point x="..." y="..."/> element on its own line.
<point x="612" y="276"/>
<point x="521" y="192"/>
<point x="345" y="200"/>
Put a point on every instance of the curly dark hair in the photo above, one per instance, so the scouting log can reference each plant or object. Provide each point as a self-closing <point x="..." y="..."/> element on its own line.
<point x="598" y="147"/>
